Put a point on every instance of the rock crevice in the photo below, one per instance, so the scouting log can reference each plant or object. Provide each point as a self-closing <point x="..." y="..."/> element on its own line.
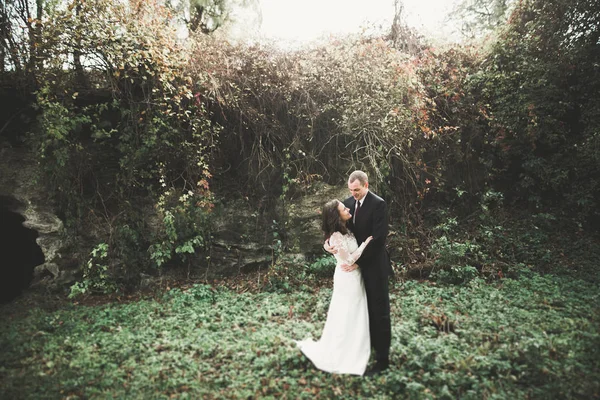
<point x="19" y="194"/>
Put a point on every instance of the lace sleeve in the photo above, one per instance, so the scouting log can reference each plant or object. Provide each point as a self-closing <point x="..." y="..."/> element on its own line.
<point x="343" y="253"/>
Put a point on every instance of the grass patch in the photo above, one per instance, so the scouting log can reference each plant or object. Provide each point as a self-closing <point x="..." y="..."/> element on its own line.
<point x="535" y="337"/>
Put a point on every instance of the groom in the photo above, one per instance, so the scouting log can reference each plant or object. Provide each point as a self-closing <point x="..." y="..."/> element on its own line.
<point x="369" y="218"/>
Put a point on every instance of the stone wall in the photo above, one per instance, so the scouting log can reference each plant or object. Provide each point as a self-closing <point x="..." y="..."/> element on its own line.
<point x="244" y="236"/>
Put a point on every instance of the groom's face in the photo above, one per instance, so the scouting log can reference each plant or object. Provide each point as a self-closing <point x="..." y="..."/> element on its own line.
<point x="357" y="190"/>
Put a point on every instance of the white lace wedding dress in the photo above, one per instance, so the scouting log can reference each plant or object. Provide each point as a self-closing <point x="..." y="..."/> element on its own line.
<point x="344" y="347"/>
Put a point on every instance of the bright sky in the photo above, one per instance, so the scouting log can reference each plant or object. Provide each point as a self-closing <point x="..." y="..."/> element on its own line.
<point x="300" y="21"/>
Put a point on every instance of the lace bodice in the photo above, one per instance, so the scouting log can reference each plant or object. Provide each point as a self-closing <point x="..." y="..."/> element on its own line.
<point x="348" y="249"/>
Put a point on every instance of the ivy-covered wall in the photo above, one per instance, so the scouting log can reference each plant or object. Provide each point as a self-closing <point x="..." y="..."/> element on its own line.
<point x="136" y="148"/>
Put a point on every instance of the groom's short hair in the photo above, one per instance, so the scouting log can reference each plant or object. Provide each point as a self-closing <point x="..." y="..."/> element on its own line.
<point x="361" y="176"/>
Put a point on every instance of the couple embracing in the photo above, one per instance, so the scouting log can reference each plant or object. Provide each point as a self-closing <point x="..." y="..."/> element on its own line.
<point x="358" y="318"/>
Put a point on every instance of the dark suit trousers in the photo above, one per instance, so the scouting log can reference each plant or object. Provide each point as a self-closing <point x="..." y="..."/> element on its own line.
<point x="378" y="303"/>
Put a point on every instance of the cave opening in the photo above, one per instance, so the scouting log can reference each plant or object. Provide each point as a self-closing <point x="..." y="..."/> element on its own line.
<point x="19" y="251"/>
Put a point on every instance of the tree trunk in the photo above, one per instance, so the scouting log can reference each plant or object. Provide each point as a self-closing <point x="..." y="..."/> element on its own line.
<point x="3" y="29"/>
<point x="79" y="72"/>
<point x="38" y="35"/>
<point x="33" y="31"/>
<point x="9" y="47"/>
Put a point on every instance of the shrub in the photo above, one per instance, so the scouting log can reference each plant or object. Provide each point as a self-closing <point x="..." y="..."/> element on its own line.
<point x="126" y="155"/>
<point x="543" y="96"/>
<point x="96" y="278"/>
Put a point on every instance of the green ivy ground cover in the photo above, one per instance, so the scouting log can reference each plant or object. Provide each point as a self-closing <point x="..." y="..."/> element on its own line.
<point x="536" y="337"/>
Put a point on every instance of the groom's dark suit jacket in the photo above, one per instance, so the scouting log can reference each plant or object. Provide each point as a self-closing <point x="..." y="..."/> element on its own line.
<point x="371" y="220"/>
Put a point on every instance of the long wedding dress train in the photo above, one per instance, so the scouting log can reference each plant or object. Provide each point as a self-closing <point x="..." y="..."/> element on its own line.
<point x="344" y="347"/>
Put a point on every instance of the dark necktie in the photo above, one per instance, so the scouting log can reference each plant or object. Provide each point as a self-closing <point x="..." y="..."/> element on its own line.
<point x="356" y="211"/>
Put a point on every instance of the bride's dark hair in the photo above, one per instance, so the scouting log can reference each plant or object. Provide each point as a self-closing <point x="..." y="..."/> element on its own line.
<point x="331" y="221"/>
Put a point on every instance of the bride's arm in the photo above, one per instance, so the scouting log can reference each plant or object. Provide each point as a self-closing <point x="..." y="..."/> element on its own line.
<point x="344" y="254"/>
<point x="358" y="252"/>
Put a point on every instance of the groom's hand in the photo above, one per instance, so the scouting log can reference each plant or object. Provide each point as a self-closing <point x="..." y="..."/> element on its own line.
<point x="328" y="248"/>
<point x="348" y="268"/>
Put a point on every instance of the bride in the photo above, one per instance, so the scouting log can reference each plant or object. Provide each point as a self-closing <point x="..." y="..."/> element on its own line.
<point x="344" y="347"/>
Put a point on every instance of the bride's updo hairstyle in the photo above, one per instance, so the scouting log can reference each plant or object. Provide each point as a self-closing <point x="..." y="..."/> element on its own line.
<point x="331" y="219"/>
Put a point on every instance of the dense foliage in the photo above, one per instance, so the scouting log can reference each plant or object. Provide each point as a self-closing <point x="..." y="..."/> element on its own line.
<point x="133" y="150"/>
<point x="316" y="112"/>
<point x="541" y="80"/>
<point x="135" y="127"/>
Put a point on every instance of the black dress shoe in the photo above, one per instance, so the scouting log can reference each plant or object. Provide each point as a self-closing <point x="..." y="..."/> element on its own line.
<point x="378" y="368"/>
